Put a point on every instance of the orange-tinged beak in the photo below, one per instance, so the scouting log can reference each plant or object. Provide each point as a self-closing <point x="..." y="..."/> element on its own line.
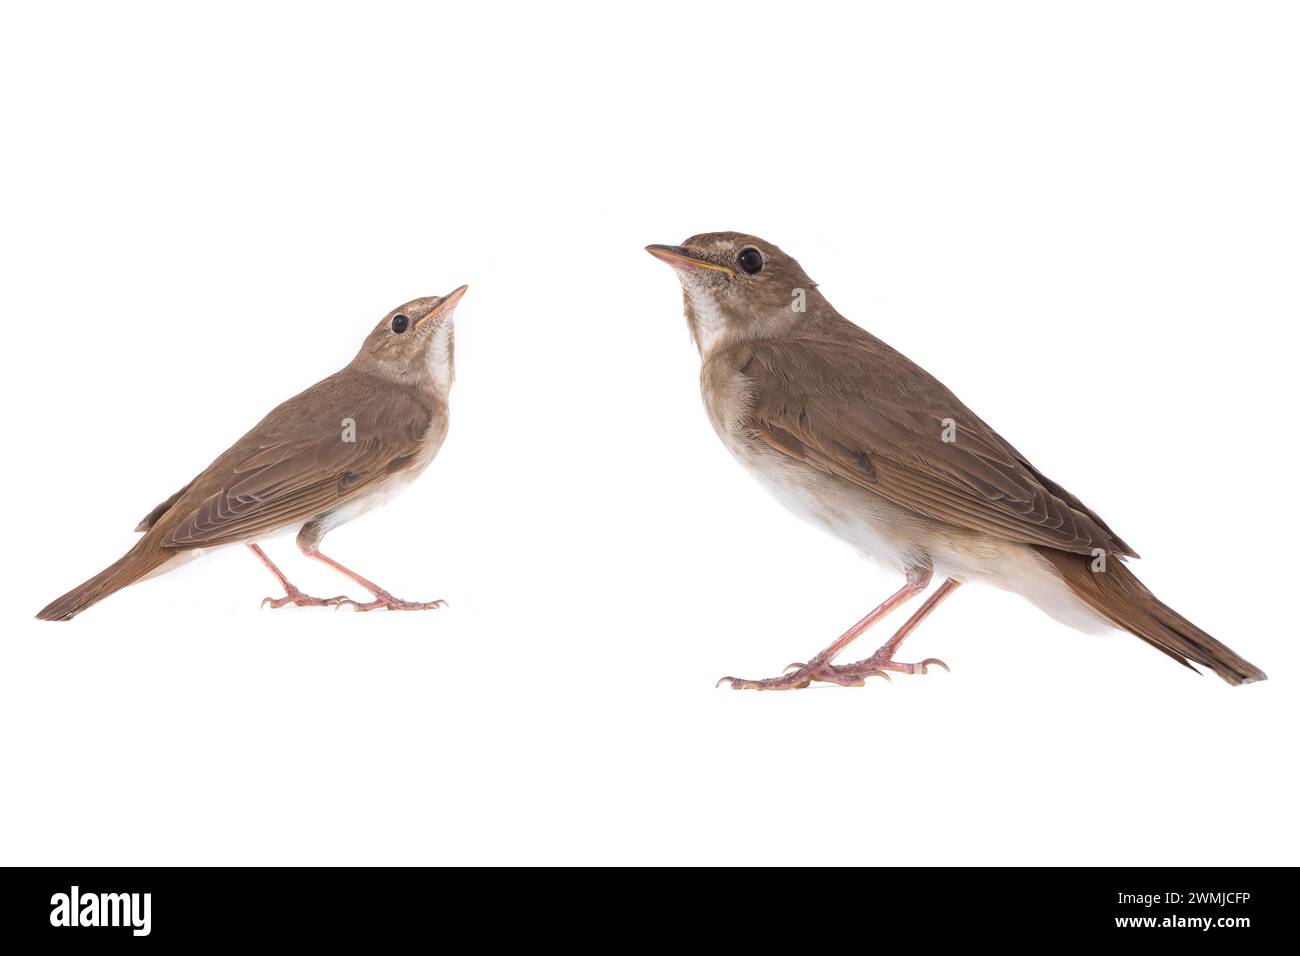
<point x="677" y="257"/>
<point x="446" y="306"/>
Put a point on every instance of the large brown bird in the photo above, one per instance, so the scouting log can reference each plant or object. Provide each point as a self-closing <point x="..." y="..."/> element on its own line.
<point x="335" y="451"/>
<point x="854" y="437"/>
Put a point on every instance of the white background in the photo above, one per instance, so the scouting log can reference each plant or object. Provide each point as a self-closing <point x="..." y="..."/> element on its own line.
<point x="1082" y="219"/>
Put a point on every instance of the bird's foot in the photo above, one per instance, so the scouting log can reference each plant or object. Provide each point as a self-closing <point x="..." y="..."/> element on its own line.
<point x="878" y="666"/>
<point x="298" y="599"/>
<point x="389" y="603"/>
<point x="800" y="675"/>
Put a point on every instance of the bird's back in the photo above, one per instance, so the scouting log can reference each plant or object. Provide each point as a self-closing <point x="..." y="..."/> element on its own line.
<point x="306" y="456"/>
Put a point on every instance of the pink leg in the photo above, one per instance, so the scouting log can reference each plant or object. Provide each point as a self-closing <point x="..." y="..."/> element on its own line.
<point x="382" y="598"/>
<point x="292" y="594"/>
<point x="883" y="660"/>
<point x="819" y="667"/>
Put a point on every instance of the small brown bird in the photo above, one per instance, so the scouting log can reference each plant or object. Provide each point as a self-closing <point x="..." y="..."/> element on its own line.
<point x="327" y="455"/>
<point x="854" y="437"/>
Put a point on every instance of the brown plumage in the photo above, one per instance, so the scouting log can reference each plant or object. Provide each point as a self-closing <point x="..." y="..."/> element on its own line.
<point x="885" y="437"/>
<point x="857" y="438"/>
<point x="319" y="459"/>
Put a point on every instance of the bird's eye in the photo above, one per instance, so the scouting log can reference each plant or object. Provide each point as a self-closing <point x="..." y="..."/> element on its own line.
<point x="750" y="261"/>
<point x="400" y="323"/>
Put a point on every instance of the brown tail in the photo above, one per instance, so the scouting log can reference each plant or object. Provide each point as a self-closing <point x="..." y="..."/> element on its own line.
<point x="1122" y="599"/>
<point x="128" y="569"/>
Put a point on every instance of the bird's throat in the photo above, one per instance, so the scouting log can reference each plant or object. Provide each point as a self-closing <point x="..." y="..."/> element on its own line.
<point x="707" y="321"/>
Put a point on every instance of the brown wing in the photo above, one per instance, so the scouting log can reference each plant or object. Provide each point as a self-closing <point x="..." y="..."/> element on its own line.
<point x="279" y="485"/>
<point x="297" y="464"/>
<point x="868" y="415"/>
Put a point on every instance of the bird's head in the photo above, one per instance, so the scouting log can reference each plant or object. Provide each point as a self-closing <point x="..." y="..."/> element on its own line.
<point x="738" y="287"/>
<point x="414" y="343"/>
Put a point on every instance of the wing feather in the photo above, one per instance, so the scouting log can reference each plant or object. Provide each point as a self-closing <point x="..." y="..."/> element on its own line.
<point x="297" y="465"/>
<point x="871" y="417"/>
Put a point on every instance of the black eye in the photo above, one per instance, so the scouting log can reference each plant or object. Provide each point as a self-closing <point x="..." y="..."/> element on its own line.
<point x="400" y="323"/>
<point x="750" y="261"/>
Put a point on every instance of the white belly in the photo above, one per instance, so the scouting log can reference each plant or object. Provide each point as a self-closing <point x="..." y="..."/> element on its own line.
<point x="877" y="529"/>
<point x="369" y="500"/>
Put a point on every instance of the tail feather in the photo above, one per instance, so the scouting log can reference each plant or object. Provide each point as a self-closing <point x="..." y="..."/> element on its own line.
<point x="128" y="569"/>
<point x="1117" y="595"/>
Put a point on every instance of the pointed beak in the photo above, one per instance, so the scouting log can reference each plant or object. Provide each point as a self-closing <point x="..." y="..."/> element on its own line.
<point x="447" y="306"/>
<point x="679" y="258"/>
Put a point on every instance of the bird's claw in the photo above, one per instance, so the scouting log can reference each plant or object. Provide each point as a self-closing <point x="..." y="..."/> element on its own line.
<point x="390" y="603"/>
<point x="785" y="682"/>
<point x="798" y="675"/>
<point x="298" y="599"/>
<point x="880" y="667"/>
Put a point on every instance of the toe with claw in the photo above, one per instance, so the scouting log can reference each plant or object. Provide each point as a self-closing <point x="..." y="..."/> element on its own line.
<point x="387" y="602"/>
<point x="796" y="677"/>
<point x="879" y="666"/>
<point x="298" y="599"/>
<point x="793" y="681"/>
<point x="799" y="675"/>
